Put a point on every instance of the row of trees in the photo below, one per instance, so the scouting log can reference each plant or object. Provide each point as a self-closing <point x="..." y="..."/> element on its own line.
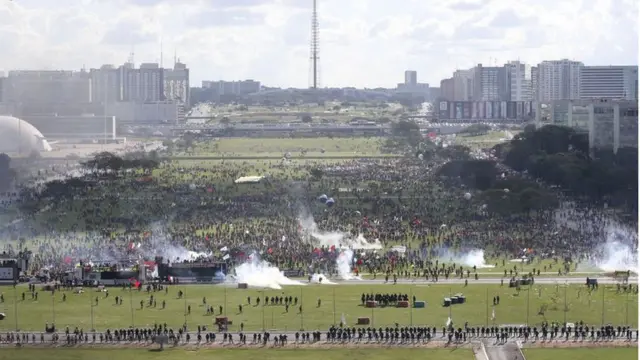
<point x="106" y="162"/>
<point x="561" y="156"/>
<point x="500" y="195"/>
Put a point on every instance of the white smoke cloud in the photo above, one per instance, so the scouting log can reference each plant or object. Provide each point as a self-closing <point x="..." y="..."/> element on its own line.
<point x="470" y="258"/>
<point x="321" y="279"/>
<point x="261" y="274"/>
<point x="343" y="264"/>
<point x="338" y="239"/>
<point x="619" y="252"/>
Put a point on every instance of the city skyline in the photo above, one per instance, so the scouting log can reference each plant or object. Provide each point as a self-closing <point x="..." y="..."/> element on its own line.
<point x="269" y="40"/>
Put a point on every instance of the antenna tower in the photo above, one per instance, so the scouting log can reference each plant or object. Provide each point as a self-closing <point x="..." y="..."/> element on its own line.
<point x="315" y="46"/>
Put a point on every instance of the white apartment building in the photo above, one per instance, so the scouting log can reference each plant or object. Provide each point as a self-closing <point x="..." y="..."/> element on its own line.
<point x="559" y="80"/>
<point x="176" y="83"/>
<point x="609" y="82"/>
<point x="519" y="81"/>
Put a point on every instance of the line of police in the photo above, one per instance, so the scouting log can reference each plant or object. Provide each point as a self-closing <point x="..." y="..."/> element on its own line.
<point x="397" y="334"/>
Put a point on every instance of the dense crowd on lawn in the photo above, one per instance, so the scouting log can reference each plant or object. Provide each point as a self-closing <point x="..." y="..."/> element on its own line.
<point x="387" y="202"/>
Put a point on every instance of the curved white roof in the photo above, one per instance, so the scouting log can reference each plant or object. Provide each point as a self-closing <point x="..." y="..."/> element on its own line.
<point x="17" y="135"/>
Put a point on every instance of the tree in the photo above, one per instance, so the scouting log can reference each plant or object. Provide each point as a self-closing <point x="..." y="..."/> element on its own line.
<point x="316" y="173"/>
<point x="561" y="156"/>
<point x="406" y="132"/>
<point x="480" y="174"/>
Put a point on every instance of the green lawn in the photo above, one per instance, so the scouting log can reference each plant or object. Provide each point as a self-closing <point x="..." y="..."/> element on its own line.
<point x="229" y="354"/>
<point x="617" y="353"/>
<point x="77" y="309"/>
<point x="276" y="148"/>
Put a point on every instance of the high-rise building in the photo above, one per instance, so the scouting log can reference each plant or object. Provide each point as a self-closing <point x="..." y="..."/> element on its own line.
<point x="559" y="80"/>
<point x="105" y="85"/>
<point x="489" y="83"/>
<point x="447" y="89"/>
<point x="411" y="77"/>
<point x="176" y="83"/>
<point x="44" y="91"/>
<point x="609" y="82"/>
<point x="463" y="85"/>
<point x="534" y="83"/>
<point x="145" y="84"/>
<point x="519" y="81"/>
<point x="2" y="81"/>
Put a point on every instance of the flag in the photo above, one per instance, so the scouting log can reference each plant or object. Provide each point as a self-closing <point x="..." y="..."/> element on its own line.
<point x="224" y="249"/>
<point x="449" y="322"/>
<point x="343" y="320"/>
<point x="493" y="314"/>
<point x="226" y="257"/>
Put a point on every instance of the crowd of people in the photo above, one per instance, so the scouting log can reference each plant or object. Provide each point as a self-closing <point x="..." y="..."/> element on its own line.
<point x="399" y="216"/>
<point x="387" y="202"/>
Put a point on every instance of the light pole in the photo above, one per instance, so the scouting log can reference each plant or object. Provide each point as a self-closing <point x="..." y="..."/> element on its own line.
<point x="91" y="309"/>
<point x="334" y="306"/>
<point x="131" y="303"/>
<point x="184" y="295"/>
<point x="263" y="305"/>
<point x="411" y="306"/>
<point x="301" y="312"/>
<point x="15" y="304"/>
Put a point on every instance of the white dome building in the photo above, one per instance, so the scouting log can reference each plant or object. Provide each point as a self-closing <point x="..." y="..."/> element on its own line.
<point x="17" y="135"/>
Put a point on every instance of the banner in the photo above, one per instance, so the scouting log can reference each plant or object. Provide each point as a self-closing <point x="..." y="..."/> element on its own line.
<point x="293" y="273"/>
<point x="7" y="273"/>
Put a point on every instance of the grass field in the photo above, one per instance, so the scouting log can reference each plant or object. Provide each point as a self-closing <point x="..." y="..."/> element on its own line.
<point x="276" y="148"/>
<point x="79" y="310"/>
<point x="229" y="354"/>
<point x="630" y="353"/>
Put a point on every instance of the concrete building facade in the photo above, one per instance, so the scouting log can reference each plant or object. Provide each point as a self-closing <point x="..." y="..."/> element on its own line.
<point x="610" y="123"/>
<point x="489" y="83"/>
<point x="447" y="89"/>
<point x="411" y="77"/>
<point x="46" y="87"/>
<point x="519" y="81"/>
<point x="176" y="83"/>
<point x="463" y="85"/>
<point x="609" y="82"/>
<point x="558" y="80"/>
<point x="238" y="88"/>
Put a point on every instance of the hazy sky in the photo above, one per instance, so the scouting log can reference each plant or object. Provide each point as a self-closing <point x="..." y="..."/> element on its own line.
<point x="364" y="43"/>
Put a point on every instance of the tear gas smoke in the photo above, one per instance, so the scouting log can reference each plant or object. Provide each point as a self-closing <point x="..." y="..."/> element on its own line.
<point x="321" y="279"/>
<point x="258" y="273"/>
<point x="469" y="258"/>
<point x="343" y="264"/>
<point x="338" y="239"/>
<point x="619" y="252"/>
